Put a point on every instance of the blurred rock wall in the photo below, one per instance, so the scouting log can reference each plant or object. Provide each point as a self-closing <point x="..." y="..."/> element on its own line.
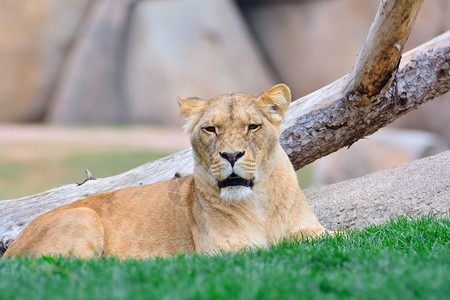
<point x="35" y="36"/>
<point x="125" y="61"/>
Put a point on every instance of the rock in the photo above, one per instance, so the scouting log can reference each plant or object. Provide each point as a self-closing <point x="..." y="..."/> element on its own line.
<point x="414" y="189"/>
<point x="188" y="48"/>
<point x="34" y="36"/>
<point x="90" y="88"/>
<point x="121" y="61"/>
<point x="386" y="148"/>
<point x="131" y="62"/>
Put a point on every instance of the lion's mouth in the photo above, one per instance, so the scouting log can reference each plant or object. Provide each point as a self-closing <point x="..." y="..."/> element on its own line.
<point x="235" y="180"/>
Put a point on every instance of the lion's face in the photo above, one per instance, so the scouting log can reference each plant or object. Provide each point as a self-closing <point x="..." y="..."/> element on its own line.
<point x="235" y="138"/>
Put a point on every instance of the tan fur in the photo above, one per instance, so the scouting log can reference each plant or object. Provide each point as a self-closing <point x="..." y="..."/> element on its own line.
<point x="192" y="214"/>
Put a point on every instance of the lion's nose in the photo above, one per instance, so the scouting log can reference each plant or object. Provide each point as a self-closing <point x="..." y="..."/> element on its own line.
<point x="232" y="157"/>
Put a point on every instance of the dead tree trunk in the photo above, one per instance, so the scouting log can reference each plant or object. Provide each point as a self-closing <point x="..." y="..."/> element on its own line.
<point x="378" y="91"/>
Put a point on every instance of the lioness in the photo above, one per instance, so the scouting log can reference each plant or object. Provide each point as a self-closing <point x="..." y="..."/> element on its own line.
<point x="243" y="193"/>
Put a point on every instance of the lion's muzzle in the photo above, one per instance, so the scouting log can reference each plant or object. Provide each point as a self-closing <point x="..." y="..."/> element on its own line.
<point x="235" y="180"/>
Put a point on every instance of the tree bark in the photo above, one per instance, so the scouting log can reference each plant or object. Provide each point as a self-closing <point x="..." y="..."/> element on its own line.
<point x="315" y="125"/>
<point x="329" y="119"/>
<point x="382" y="51"/>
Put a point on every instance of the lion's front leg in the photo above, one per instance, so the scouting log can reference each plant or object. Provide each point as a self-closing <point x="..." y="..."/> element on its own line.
<point x="304" y="223"/>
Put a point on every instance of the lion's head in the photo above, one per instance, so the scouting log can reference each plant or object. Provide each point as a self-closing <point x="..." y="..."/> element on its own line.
<point x="235" y="138"/>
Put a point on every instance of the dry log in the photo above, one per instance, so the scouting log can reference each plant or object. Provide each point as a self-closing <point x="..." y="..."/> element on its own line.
<point x="329" y="119"/>
<point x="315" y="125"/>
<point x="382" y="51"/>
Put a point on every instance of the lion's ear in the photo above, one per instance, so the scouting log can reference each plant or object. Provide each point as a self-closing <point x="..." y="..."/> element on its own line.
<point x="276" y="100"/>
<point x="191" y="110"/>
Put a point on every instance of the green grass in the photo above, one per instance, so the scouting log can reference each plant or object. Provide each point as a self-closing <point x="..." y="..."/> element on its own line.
<point x="402" y="259"/>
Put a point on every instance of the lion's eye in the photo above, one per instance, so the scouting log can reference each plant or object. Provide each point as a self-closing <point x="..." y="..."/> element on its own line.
<point x="253" y="127"/>
<point x="210" y="129"/>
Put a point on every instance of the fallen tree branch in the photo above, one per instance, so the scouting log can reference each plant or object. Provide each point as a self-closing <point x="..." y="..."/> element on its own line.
<point x="315" y="126"/>
<point x="383" y="48"/>
<point x="329" y="119"/>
